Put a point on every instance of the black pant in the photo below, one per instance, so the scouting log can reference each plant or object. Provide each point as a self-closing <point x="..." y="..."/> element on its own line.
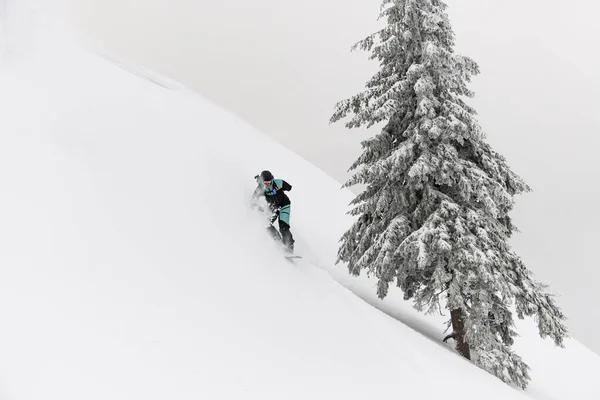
<point x="284" y="234"/>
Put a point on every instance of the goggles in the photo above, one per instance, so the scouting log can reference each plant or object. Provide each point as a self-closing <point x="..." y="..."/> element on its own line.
<point x="267" y="183"/>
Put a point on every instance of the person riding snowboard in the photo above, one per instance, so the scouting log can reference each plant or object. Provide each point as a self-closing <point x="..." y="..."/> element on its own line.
<point x="279" y="203"/>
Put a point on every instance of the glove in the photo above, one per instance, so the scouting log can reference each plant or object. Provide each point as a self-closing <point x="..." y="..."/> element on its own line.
<point x="275" y="216"/>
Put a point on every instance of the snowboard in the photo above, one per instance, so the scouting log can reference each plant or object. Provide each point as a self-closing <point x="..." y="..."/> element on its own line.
<point x="292" y="258"/>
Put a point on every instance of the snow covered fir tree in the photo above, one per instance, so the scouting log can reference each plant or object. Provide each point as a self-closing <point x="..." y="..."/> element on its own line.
<point x="434" y="215"/>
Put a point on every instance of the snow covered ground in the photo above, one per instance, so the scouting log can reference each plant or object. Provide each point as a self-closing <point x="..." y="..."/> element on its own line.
<point x="132" y="268"/>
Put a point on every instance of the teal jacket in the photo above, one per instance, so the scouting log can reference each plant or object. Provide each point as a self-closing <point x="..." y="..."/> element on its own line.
<point x="275" y="194"/>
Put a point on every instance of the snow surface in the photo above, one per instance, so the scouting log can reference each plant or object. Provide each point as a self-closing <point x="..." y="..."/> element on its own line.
<point x="133" y="268"/>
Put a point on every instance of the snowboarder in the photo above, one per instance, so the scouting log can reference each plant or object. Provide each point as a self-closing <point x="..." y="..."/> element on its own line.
<point x="279" y="203"/>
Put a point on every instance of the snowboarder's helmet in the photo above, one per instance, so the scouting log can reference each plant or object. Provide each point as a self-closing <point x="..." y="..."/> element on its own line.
<point x="266" y="176"/>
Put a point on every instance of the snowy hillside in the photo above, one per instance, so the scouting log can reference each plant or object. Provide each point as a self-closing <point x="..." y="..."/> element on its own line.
<point x="132" y="267"/>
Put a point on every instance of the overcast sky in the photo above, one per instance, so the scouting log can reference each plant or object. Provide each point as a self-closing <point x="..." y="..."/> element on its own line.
<point x="282" y="66"/>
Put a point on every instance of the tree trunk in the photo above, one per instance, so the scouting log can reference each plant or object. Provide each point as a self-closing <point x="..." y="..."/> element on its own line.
<point x="458" y="326"/>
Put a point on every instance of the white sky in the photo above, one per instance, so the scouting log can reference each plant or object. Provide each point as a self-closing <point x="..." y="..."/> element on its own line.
<point x="282" y="66"/>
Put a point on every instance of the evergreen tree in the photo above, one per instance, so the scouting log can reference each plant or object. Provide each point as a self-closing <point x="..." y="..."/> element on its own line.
<point x="433" y="216"/>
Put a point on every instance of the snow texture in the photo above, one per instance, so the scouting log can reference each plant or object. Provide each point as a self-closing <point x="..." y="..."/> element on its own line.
<point x="132" y="267"/>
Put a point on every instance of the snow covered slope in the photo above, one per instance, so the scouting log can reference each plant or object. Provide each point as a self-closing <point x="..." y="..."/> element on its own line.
<point x="132" y="268"/>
